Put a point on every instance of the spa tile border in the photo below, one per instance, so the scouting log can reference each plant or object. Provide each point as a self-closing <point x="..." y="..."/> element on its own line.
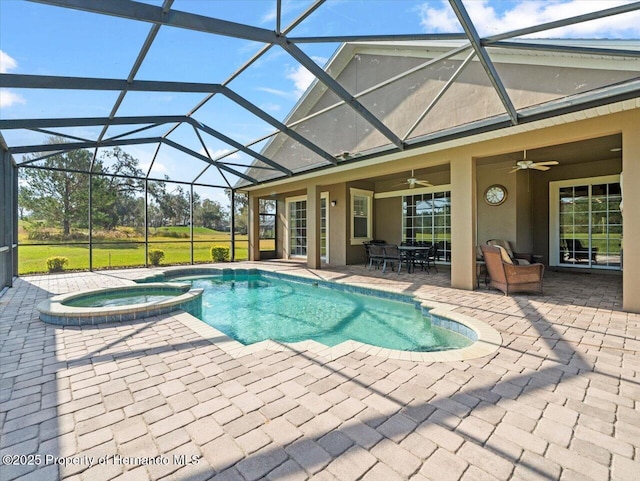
<point x="54" y="311"/>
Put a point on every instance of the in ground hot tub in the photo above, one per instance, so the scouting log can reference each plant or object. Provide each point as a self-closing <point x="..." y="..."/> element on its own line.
<point x="119" y="304"/>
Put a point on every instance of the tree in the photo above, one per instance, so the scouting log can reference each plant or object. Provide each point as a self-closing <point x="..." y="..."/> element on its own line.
<point x="116" y="199"/>
<point x="58" y="197"/>
<point x="59" y="194"/>
<point x="172" y="207"/>
<point x="241" y="208"/>
<point x="210" y="214"/>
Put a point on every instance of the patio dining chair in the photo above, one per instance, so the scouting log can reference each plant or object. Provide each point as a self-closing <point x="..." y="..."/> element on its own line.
<point x="420" y="257"/>
<point x="376" y="255"/>
<point x="394" y="256"/>
<point x="367" y="252"/>
<point x="431" y="256"/>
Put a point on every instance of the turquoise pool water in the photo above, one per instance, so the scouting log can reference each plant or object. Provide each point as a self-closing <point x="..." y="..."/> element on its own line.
<point x="252" y="308"/>
<point x="120" y="299"/>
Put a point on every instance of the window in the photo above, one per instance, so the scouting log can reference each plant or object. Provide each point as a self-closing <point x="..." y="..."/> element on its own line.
<point x="267" y="225"/>
<point x="361" y="210"/>
<point x="426" y="218"/>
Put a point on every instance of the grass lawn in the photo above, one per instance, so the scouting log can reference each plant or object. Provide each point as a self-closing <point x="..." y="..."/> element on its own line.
<point x="129" y="252"/>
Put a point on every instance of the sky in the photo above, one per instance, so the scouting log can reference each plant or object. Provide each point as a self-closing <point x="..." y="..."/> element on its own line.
<point x="46" y="40"/>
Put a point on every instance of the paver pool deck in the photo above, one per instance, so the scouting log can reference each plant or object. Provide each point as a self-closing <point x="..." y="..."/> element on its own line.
<point x="560" y="399"/>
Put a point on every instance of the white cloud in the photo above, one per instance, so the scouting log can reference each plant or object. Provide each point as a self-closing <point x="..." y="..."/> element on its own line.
<point x="279" y="93"/>
<point x="6" y="62"/>
<point x="269" y="16"/>
<point x="144" y="154"/>
<point x="488" y="21"/>
<point x="270" y="107"/>
<point x="301" y="77"/>
<point x="8" y="98"/>
<point x="217" y="153"/>
<point x="158" y="167"/>
<point x="288" y="8"/>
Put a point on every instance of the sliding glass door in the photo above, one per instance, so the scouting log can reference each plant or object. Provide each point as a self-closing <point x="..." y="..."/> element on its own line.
<point x="586" y="223"/>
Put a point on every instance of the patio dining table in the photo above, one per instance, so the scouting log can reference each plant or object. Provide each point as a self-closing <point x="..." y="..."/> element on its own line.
<point x="411" y="254"/>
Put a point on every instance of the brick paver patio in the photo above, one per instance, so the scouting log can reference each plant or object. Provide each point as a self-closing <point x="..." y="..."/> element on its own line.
<point x="154" y="400"/>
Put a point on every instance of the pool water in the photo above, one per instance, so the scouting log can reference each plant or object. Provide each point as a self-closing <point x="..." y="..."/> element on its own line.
<point x="252" y="308"/>
<point x="120" y="299"/>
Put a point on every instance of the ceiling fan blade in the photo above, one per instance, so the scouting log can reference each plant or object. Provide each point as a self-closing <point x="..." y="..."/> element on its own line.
<point x="424" y="183"/>
<point x="539" y="167"/>
<point x="547" y="162"/>
<point x="398" y="185"/>
<point x="514" y="170"/>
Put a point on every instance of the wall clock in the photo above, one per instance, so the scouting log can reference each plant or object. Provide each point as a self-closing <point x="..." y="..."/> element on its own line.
<point x="495" y="194"/>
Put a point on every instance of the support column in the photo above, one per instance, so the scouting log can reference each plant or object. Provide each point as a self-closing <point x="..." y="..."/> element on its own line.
<point x="146" y="222"/>
<point x="463" y="225"/>
<point x="90" y="220"/>
<point x="254" y="227"/>
<point x="313" y="227"/>
<point x="631" y="217"/>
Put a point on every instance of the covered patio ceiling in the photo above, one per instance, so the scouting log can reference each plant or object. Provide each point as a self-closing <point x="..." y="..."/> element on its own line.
<point x="190" y="133"/>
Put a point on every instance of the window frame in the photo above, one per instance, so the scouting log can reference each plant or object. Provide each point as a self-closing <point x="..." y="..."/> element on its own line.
<point x="554" y="219"/>
<point x="262" y="213"/>
<point x="288" y="202"/>
<point x="369" y="195"/>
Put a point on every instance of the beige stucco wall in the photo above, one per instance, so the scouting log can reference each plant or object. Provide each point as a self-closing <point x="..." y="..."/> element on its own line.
<point x="338" y="217"/>
<point x="631" y="213"/>
<point x="388" y="220"/>
<point x="525" y="201"/>
<point x="496" y="222"/>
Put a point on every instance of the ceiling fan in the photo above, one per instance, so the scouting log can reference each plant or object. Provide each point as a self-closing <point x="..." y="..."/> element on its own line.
<point x="525" y="164"/>
<point x="412" y="182"/>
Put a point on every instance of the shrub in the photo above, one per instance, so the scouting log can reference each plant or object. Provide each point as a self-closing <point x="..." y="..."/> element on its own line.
<point x="170" y="233"/>
<point x="220" y="254"/>
<point x="56" y="264"/>
<point x="37" y="231"/>
<point x="155" y="256"/>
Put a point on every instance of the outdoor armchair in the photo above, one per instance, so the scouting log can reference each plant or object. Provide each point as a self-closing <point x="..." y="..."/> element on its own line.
<point x="508" y="277"/>
<point x="517" y="257"/>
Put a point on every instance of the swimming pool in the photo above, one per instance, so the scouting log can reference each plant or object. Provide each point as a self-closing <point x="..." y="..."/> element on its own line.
<point x="253" y="307"/>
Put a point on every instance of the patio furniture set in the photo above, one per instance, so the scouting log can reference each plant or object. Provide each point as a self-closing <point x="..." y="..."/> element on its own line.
<point x="411" y="254"/>
<point x="503" y="268"/>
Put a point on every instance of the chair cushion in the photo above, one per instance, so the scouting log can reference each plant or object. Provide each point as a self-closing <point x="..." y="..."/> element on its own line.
<point x="506" y="245"/>
<point x="505" y="256"/>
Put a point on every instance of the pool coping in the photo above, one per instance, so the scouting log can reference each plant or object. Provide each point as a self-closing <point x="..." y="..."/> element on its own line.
<point x="54" y="311"/>
<point x="487" y="341"/>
